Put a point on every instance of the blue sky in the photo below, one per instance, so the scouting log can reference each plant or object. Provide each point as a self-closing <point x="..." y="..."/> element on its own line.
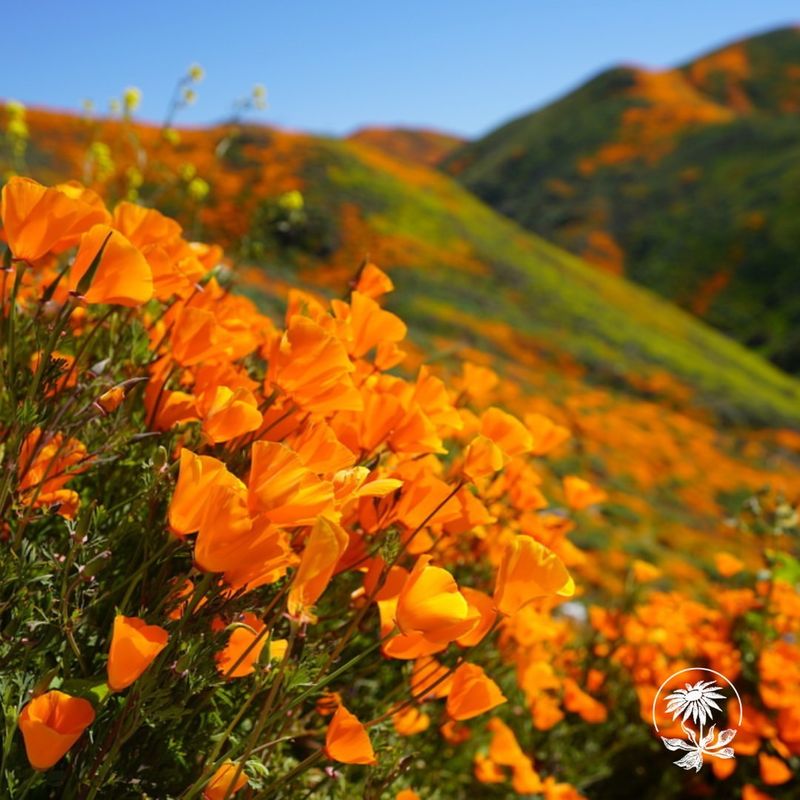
<point x="334" y="65"/>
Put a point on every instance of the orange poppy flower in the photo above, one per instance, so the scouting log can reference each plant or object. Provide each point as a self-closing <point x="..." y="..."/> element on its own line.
<point x="144" y="226"/>
<point x="110" y="401"/>
<point x="283" y="488"/>
<point x="229" y="413"/>
<point x="196" y="476"/>
<point x="481" y="608"/>
<point x="327" y="703"/>
<point x="347" y="739"/>
<point x="644" y="572"/>
<point x="504" y="748"/>
<point x="727" y="565"/>
<point x="134" y="646"/>
<point x="313" y="368"/>
<point x="529" y="570"/>
<point x="486" y="771"/>
<point x="325" y="546"/>
<point x="46" y="467"/>
<point x="319" y="449"/>
<point x="577" y="701"/>
<point x="222" y="783"/>
<point x="774" y="771"/>
<point x="473" y="692"/>
<point x="368" y="323"/>
<point x="431" y="604"/>
<point x="547" y="436"/>
<point x="38" y="220"/>
<point x="240" y="639"/>
<point x="225" y="525"/>
<point x="64" y="363"/>
<point x="196" y="337"/>
<point x="259" y="556"/>
<point x="373" y="281"/>
<point x="410" y="720"/>
<point x="545" y="712"/>
<point x="526" y="780"/>
<point x="51" y="723"/>
<point x="430" y="680"/>
<point x="166" y="408"/>
<point x="482" y="458"/>
<point x="454" y="733"/>
<point x="723" y="767"/>
<point x="123" y="275"/>
<point x="407" y="794"/>
<point x="581" y="494"/>
<point x="506" y="431"/>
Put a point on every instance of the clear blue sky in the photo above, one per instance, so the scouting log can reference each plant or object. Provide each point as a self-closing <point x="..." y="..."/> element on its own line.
<point x="334" y="65"/>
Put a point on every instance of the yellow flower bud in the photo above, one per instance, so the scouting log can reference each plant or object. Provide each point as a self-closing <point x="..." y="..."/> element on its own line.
<point x="132" y="98"/>
<point x="198" y="189"/>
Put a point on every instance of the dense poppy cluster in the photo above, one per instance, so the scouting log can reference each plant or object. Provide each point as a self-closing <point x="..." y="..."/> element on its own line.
<point x="305" y="459"/>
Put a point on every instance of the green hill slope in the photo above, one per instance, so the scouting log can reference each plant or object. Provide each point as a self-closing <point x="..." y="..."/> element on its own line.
<point x="463" y="270"/>
<point x="686" y="180"/>
<point x="466" y="275"/>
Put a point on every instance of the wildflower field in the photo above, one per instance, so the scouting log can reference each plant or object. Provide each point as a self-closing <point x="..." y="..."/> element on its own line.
<point x="321" y="480"/>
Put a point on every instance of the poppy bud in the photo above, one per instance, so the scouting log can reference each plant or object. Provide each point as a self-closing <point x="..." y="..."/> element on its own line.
<point x="134" y="646"/>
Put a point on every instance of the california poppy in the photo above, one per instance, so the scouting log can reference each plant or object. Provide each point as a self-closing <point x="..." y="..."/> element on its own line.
<point x="347" y="739"/>
<point x="774" y="771"/>
<point x="224" y="782"/>
<point x="431" y="604"/>
<point x="472" y="693"/>
<point x="529" y="570"/>
<point x="283" y="488"/>
<point x="229" y="413"/>
<point x="134" y="646"/>
<point x="506" y="431"/>
<point x="123" y="276"/>
<point x="482" y="458"/>
<point x="581" y="494"/>
<point x="243" y="648"/>
<point x="196" y="477"/>
<point x="313" y="368"/>
<point x="38" y="220"/>
<point x="373" y="281"/>
<point x="324" y="547"/>
<point x="547" y="436"/>
<point x="410" y="720"/>
<point x="51" y="723"/>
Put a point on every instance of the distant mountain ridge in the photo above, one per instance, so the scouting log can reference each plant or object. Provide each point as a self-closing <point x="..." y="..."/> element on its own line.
<point x="686" y="180"/>
<point x="415" y="145"/>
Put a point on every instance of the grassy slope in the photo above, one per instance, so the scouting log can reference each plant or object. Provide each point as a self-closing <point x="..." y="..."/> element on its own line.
<point x="702" y="206"/>
<point x="464" y="273"/>
<point x="534" y="288"/>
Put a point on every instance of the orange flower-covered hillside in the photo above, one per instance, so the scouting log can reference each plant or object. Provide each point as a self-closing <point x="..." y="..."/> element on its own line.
<point x="322" y="480"/>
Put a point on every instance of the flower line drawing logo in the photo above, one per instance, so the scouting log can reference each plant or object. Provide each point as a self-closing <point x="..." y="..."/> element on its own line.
<point x="696" y="705"/>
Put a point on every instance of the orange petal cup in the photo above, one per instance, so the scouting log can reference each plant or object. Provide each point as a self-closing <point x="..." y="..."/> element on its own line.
<point x="134" y="646"/>
<point x="51" y="723"/>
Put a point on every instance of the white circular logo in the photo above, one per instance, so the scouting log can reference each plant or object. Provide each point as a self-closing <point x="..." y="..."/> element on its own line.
<point x="696" y="706"/>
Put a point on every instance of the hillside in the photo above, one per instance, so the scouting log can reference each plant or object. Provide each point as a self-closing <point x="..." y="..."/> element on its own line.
<point x="659" y="399"/>
<point x="466" y="271"/>
<point x="416" y="146"/>
<point x="658" y="414"/>
<point x="684" y="180"/>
